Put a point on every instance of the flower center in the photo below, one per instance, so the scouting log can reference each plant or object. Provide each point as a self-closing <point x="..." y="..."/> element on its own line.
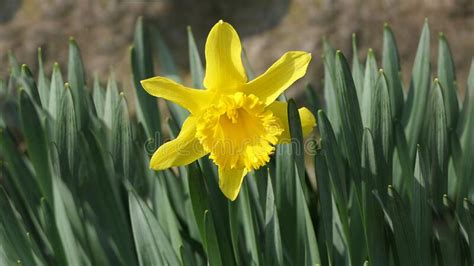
<point x="238" y="132"/>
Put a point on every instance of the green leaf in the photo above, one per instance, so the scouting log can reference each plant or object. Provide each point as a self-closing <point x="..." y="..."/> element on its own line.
<point x="457" y="188"/>
<point x="414" y="113"/>
<point x="285" y="201"/>
<point x="214" y="255"/>
<point x="165" y="215"/>
<point x="28" y="83"/>
<point x="304" y="249"/>
<point x="66" y="135"/>
<point x="326" y="202"/>
<point x="243" y="229"/>
<point x="101" y="192"/>
<point x="220" y="213"/>
<point x="273" y="245"/>
<point x="12" y="86"/>
<point x="467" y="131"/>
<point x="331" y="106"/>
<point x="313" y="99"/>
<point x="401" y="227"/>
<point x="36" y="142"/>
<point x="98" y="254"/>
<point x="391" y="67"/>
<point x="372" y="213"/>
<point x="142" y="68"/>
<point x="332" y="152"/>
<point x="357" y="69"/>
<point x="72" y="248"/>
<point x="311" y="244"/>
<point x="98" y="97"/>
<point x="469" y="214"/>
<point x="165" y="58"/>
<point x="187" y="256"/>
<point x="121" y="141"/>
<point x="43" y="82"/>
<point x="341" y="236"/>
<point x="447" y="79"/>
<point x="297" y="144"/>
<point x="468" y="104"/>
<point x="151" y="242"/>
<point x="420" y="209"/>
<point x="111" y="100"/>
<point x="3" y="89"/>
<point x="77" y="81"/>
<point x="14" y="67"/>
<point x="18" y="247"/>
<point x="349" y="115"/>
<point x="23" y="178"/>
<point x="29" y="191"/>
<point x="56" y="91"/>
<point x="168" y="69"/>
<point x="68" y="197"/>
<point x="447" y="234"/>
<point x="356" y="216"/>
<point x="435" y="141"/>
<point x="402" y="165"/>
<point x="199" y="199"/>
<point x="382" y="131"/>
<point x="195" y="63"/>
<point x="370" y="80"/>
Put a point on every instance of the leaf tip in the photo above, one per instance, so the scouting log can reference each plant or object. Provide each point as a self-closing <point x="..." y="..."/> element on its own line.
<point x="466" y="203"/>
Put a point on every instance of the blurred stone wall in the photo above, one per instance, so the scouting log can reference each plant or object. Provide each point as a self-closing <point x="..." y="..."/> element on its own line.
<point x="268" y="28"/>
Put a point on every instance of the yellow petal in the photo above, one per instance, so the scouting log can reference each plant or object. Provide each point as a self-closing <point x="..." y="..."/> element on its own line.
<point x="183" y="150"/>
<point x="284" y="72"/>
<point x="224" y="69"/>
<point x="230" y="181"/>
<point x="191" y="99"/>
<point x="308" y="121"/>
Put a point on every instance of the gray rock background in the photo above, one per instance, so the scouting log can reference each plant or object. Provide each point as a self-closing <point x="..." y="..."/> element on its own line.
<point x="104" y="29"/>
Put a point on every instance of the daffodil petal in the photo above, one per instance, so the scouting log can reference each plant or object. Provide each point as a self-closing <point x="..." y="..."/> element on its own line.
<point x="279" y="109"/>
<point x="284" y="72"/>
<point x="191" y="99"/>
<point x="183" y="150"/>
<point x="224" y="68"/>
<point x="230" y="181"/>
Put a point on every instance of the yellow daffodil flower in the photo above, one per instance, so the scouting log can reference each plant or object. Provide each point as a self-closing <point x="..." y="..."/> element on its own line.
<point x="236" y="121"/>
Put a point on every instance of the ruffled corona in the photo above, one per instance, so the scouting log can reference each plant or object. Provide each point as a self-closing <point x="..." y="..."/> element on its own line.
<point x="238" y="132"/>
